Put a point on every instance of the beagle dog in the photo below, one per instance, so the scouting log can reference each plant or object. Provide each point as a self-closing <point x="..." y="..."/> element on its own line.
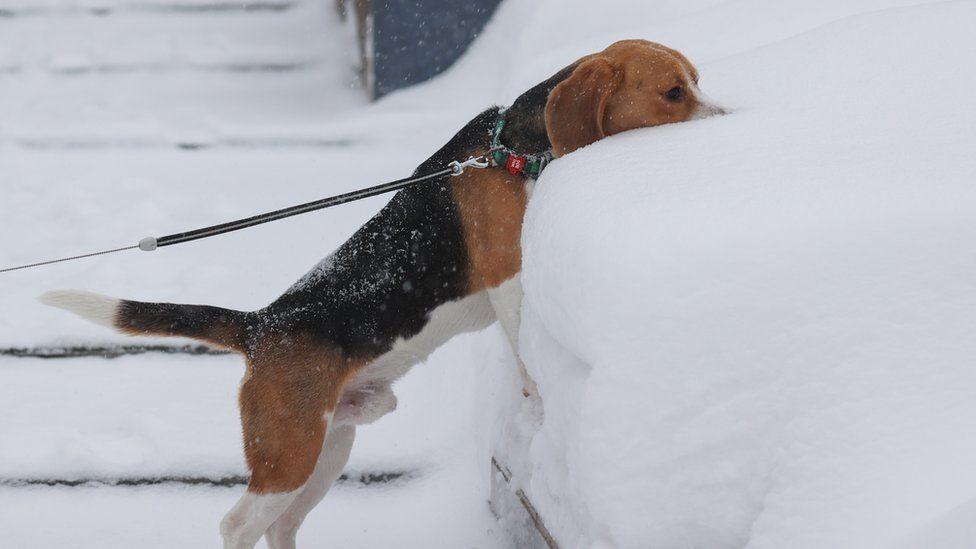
<point x="439" y="259"/>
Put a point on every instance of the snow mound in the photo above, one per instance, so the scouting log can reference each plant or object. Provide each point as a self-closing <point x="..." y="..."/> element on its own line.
<point x="758" y="330"/>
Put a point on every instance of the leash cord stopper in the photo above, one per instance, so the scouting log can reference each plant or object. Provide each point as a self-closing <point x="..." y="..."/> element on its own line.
<point x="148" y="244"/>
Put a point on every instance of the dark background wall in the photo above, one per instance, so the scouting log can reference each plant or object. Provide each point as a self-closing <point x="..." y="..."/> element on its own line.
<point x="414" y="40"/>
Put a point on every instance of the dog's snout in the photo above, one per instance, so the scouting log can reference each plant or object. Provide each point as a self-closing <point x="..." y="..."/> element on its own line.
<point x="711" y="109"/>
<point x="707" y="108"/>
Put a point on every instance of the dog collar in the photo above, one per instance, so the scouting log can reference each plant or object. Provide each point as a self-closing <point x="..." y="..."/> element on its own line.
<point x="530" y="165"/>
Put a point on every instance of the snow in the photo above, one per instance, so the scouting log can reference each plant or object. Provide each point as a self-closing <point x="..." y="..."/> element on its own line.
<point x="94" y="159"/>
<point x="747" y="331"/>
<point x="152" y="75"/>
<point x="756" y="330"/>
<point x="171" y="516"/>
<point x="162" y="416"/>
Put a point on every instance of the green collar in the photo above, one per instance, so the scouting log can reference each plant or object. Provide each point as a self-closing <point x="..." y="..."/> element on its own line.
<point x="530" y="165"/>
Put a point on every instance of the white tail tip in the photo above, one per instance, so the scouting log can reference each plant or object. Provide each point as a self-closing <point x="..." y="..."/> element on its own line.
<point x="97" y="308"/>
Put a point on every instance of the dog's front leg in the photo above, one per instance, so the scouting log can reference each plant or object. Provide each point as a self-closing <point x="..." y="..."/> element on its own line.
<point x="506" y="299"/>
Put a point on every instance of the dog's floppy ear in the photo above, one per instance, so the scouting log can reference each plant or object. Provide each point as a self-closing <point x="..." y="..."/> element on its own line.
<point x="575" y="108"/>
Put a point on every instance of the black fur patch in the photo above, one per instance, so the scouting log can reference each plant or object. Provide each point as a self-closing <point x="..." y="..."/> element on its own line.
<point x="402" y="264"/>
<point x="410" y="258"/>
<point x="220" y="326"/>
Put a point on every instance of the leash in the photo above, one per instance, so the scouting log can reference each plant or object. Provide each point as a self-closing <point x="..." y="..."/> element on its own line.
<point x="151" y="243"/>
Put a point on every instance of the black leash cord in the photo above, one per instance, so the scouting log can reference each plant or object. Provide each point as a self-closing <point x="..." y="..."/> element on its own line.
<point x="150" y="243"/>
<point x="352" y="196"/>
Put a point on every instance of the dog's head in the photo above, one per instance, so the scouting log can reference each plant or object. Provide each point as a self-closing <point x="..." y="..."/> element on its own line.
<point x="631" y="84"/>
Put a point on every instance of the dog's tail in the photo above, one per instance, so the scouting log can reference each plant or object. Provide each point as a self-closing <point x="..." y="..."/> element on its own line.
<point x="221" y="327"/>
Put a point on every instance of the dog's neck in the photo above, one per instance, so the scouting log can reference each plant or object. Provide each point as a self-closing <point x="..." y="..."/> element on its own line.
<point x="525" y="120"/>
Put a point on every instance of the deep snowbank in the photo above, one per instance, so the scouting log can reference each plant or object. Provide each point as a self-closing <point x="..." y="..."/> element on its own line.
<point x="758" y="330"/>
<point x="751" y="330"/>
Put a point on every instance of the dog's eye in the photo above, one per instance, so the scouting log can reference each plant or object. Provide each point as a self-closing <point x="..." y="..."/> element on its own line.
<point x="674" y="94"/>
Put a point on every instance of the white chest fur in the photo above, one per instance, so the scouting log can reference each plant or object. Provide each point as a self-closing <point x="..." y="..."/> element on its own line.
<point x="468" y="314"/>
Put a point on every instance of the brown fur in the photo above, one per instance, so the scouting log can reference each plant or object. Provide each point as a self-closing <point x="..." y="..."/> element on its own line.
<point x="619" y="89"/>
<point x="576" y="110"/>
<point x="492" y="204"/>
<point x="292" y="385"/>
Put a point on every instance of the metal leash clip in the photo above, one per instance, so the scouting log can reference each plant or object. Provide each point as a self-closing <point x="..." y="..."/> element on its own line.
<point x="457" y="168"/>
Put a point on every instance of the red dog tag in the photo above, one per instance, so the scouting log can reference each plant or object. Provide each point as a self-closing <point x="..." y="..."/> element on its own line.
<point x="515" y="164"/>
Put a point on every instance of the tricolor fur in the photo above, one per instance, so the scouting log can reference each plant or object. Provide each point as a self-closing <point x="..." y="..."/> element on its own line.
<point x="439" y="259"/>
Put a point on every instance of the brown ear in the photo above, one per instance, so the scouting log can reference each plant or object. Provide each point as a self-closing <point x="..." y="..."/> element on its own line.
<point x="575" y="108"/>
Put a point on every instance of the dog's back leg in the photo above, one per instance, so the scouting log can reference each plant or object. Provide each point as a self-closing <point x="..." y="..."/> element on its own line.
<point x="287" y="400"/>
<point x="335" y="454"/>
<point x="358" y="406"/>
<point x="244" y="525"/>
<point x="282" y="442"/>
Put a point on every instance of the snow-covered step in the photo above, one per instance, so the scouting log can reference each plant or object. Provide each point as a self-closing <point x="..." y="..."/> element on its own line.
<point x="134" y="417"/>
<point x="191" y="142"/>
<point x="142" y="75"/>
<point x="105" y="8"/>
<point x="439" y="513"/>
<point x="137" y="41"/>
<point x="140" y="419"/>
<point x="108" y="351"/>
